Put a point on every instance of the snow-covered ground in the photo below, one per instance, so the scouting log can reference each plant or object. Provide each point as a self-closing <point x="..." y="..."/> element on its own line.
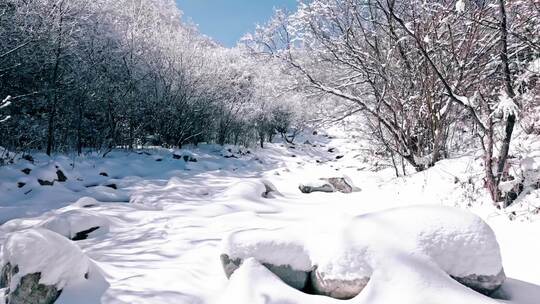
<point x="162" y="230"/>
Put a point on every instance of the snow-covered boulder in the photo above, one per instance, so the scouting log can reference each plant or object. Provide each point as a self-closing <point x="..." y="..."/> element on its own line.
<point x="458" y="242"/>
<point x="38" y="263"/>
<point x="342" y="184"/>
<point x="281" y="255"/>
<point x="331" y="184"/>
<point x="316" y="186"/>
<point x="76" y="224"/>
<point x="342" y="258"/>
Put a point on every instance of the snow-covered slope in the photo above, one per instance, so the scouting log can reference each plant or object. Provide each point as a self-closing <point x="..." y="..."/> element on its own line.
<point x="164" y="246"/>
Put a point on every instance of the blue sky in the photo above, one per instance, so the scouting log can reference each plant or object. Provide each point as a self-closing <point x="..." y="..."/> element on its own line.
<point x="226" y="21"/>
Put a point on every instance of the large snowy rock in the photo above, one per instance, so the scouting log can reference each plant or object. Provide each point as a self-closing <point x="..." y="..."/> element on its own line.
<point x="38" y="263"/>
<point x="283" y="256"/>
<point x="341" y="184"/>
<point x="316" y="186"/>
<point x="458" y="242"/>
<point x="331" y="184"/>
<point x="76" y="224"/>
<point x="342" y="258"/>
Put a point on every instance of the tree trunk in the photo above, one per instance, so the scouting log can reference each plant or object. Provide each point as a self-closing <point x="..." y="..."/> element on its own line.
<point x="511" y="119"/>
<point x="54" y="99"/>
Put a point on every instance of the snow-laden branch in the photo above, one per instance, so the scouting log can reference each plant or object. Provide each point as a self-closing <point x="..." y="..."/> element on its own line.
<point x="506" y="107"/>
<point x="5" y="103"/>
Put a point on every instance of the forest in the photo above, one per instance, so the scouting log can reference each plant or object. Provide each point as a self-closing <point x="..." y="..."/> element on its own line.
<point x="427" y="78"/>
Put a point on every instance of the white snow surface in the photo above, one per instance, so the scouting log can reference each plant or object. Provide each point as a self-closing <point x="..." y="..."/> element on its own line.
<point x="59" y="261"/>
<point x="167" y="221"/>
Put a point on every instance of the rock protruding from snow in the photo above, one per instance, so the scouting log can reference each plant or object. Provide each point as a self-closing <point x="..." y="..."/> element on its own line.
<point x="38" y="264"/>
<point x="185" y="155"/>
<point x="294" y="278"/>
<point x="342" y="184"/>
<point x="458" y="242"/>
<point x="76" y="224"/>
<point x="316" y="186"/>
<point x="485" y="284"/>
<point x="331" y="184"/>
<point x="30" y="290"/>
<point x="285" y="257"/>
<point x="337" y="288"/>
<point x="270" y="191"/>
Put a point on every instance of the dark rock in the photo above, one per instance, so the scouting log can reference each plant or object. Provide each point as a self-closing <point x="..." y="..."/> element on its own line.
<point x="61" y="177"/>
<point x="188" y="158"/>
<point x="159" y="159"/>
<point x="5" y="275"/>
<point x="83" y="235"/>
<point x="31" y="291"/>
<point x="295" y="278"/>
<point x="332" y="150"/>
<point x="103" y="174"/>
<point x="28" y="157"/>
<point x="230" y="156"/>
<point x="485" y="284"/>
<point x="28" y="291"/>
<point x="45" y="182"/>
<point x="176" y="156"/>
<point x="339" y="156"/>
<point x="113" y="186"/>
<point x="20" y="184"/>
<point x="513" y="194"/>
<point x="325" y="187"/>
<point x="26" y="171"/>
